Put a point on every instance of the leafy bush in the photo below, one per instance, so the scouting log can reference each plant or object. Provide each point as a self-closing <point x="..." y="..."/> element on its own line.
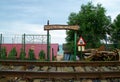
<point x="31" y="54"/>
<point x="42" y="55"/>
<point x="3" y="53"/>
<point x="12" y="54"/>
<point x="22" y="54"/>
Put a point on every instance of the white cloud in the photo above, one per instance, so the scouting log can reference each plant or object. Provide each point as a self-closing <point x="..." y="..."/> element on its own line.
<point x="19" y="28"/>
<point x="29" y="16"/>
<point x="58" y="36"/>
<point x="112" y="7"/>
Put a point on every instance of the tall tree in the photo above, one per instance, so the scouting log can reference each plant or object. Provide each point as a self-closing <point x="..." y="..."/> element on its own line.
<point x="93" y="24"/>
<point x="115" y="31"/>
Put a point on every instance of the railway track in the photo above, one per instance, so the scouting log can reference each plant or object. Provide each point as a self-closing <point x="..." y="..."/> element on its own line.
<point x="92" y="70"/>
<point x="61" y="63"/>
<point x="61" y="75"/>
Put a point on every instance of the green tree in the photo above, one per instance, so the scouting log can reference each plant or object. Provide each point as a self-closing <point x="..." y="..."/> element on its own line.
<point x="3" y="53"/>
<point x="93" y="24"/>
<point x="115" y="31"/>
<point x="12" y="53"/>
<point x="42" y="55"/>
<point x="22" y="54"/>
<point x="31" y="54"/>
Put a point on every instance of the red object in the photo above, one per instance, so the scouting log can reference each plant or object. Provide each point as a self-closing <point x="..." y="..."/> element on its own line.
<point x="36" y="47"/>
<point x="81" y="42"/>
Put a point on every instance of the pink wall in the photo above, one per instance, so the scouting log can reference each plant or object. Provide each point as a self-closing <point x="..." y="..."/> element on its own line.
<point x="37" y="48"/>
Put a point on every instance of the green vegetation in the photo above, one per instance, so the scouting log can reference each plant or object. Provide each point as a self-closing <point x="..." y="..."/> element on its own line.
<point x="42" y="55"/>
<point x="115" y="32"/>
<point x="3" y="53"/>
<point x="31" y="54"/>
<point x="95" y="27"/>
<point x="12" y="54"/>
<point x="93" y="24"/>
<point x="22" y="54"/>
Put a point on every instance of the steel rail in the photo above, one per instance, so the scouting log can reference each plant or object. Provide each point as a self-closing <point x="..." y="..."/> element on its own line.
<point x="61" y="75"/>
<point x="61" y="63"/>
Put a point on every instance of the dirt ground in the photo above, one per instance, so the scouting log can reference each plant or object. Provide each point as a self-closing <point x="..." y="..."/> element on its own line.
<point x="59" y="57"/>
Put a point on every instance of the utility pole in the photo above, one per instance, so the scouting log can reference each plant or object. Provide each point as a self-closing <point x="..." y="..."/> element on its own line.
<point x="48" y="44"/>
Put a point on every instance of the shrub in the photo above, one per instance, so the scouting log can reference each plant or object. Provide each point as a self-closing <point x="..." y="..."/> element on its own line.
<point x="12" y="54"/>
<point x="22" y="54"/>
<point x="31" y="54"/>
<point x="42" y="55"/>
<point x="3" y="53"/>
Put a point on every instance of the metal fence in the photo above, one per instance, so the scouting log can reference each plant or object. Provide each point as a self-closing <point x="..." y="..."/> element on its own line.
<point x="19" y="38"/>
<point x="23" y="42"/>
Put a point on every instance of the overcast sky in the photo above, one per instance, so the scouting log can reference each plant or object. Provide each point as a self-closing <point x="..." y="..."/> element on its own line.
<point x="30" y="16"/>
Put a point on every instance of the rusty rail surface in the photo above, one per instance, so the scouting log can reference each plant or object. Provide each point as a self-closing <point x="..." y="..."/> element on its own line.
<point x="60" y="64"/>
<point x="61" y="75"/>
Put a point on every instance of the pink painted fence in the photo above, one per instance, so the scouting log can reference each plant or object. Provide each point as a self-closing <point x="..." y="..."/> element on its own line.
<point x="36" y="47"/>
